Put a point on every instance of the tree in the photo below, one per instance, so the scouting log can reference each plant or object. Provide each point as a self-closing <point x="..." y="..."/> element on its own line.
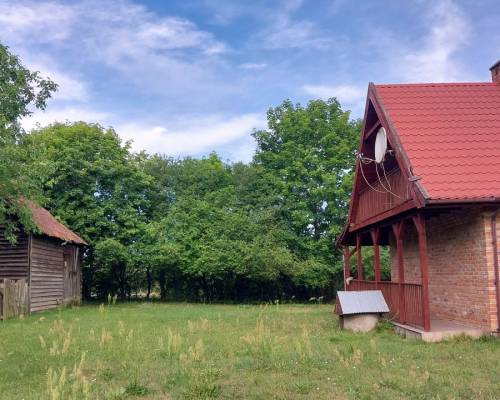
<point x="308" y="154"/>
<point x="95" y="185"/>
<point x="203" y="229"/>
<point x="21" y="90"/>
<point x="112" y="261"/>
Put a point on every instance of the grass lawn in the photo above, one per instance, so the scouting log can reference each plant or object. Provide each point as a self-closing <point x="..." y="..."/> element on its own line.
<point x="192" y="351"/>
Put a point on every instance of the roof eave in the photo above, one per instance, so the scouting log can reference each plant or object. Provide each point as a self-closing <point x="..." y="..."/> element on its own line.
<point x="478" y="200"/>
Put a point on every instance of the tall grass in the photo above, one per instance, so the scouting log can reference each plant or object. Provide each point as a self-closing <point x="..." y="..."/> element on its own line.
<point x="185" y="351"/>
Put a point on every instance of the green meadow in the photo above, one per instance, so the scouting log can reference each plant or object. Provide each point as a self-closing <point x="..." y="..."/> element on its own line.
<point x="196" y="351"/>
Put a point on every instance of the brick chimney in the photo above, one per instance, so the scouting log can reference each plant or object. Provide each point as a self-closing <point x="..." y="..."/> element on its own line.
<point x="495" y="72"/>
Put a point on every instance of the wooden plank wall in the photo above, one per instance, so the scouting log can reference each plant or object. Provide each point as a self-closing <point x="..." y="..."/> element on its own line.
<point x="375" y="201"/>
<point x="47" y="273"/>
<point x="72" y="274"/>
<point x="14" y="296"/>
<point x="14" y="259"/>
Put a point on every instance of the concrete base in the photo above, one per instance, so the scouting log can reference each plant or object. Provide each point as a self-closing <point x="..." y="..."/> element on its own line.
<point x="440" y="330"/>
<point x="359" y="322"/>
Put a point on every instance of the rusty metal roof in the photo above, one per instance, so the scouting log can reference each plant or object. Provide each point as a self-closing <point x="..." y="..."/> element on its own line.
<point x="362" y="302"/>
<point x="50" y="226"/>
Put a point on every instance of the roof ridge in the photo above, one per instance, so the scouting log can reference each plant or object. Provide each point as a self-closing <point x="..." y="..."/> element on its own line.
<point x="433" y="84"/>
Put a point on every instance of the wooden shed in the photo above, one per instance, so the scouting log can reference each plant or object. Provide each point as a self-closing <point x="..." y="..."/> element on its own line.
<point x="48" y="263"/>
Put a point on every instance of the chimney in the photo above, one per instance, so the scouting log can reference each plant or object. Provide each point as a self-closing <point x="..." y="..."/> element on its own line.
<point x="495" y="72"/>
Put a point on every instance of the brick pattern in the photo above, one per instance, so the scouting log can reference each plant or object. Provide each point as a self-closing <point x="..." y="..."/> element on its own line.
<point x="490" y="267"/>
<point x="461" y="278"/>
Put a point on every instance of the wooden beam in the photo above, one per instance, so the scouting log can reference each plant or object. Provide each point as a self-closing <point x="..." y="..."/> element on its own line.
<point x="352" y="252"/>
<point x="407" y="205"/>
<point x="373" y="129"/>
<point x="419" y="222"/>
<point x="375" y="234"/>
<point x="398" y="230"/>
<point x="347" y="268"/>
<point x="359" y="257"/>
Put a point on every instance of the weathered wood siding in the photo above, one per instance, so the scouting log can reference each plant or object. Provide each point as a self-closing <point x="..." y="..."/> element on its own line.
<point x="14" y="259"/>
<point x="72" y="274"/>
<point x="14" y="298"/>
<point x="376" y="200"/>
<point x="47" y="273"/>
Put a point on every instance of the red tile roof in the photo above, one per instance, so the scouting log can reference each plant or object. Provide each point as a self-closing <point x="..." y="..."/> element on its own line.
<point x="50" y="226"/>
<point x="451" y="134"/>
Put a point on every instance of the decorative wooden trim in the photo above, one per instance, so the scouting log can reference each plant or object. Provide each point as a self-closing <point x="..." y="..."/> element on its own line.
<point x="407" y="205"/>
<point x="359" y="255"/>
<point x="398" y="230"/>
<point x="347" y="270"/>
<point x="375" y="234"/>
<point x="419" y="222"/>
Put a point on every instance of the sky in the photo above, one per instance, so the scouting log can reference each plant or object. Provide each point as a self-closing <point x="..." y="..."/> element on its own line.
<point x="187" y="77"/>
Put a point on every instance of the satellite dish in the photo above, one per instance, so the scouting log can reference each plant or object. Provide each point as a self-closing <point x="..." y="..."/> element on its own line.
<point x="380" y="145"/>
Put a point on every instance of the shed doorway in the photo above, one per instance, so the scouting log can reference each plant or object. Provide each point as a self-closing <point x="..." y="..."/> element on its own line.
<point x="71" y="274"/>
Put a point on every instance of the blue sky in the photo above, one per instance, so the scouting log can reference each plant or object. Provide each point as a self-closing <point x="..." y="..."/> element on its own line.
<point x="188" y="77"/>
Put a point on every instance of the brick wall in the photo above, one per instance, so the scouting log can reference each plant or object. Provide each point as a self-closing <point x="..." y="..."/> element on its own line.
<point x="461" y="279"/>
<point x="490" y="266"/>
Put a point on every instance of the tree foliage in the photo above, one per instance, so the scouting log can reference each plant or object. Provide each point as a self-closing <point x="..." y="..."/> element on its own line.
<point x="203" y="229"/>
<point x="307" y="153"/>
<point x="21" y="91"/>
<point x="95" y="185"/>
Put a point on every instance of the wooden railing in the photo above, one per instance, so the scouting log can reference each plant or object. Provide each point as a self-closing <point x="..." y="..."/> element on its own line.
<point x="404" y="300"/>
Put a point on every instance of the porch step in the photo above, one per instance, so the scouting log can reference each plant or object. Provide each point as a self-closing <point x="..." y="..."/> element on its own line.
<point x="440" y="330"/>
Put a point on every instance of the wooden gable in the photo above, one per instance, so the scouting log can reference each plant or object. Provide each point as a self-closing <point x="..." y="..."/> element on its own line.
<point x="380" y="190"/>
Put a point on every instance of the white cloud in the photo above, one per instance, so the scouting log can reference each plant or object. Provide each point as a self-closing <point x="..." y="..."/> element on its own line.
<point x="69" y="87"/>
<point x="285" y="32"/>
<point x="433" y="59"/>
<point x="351" y="97"/>
<point x="199" y="136"/>
<point x="128" y="32"/>
<point x="65" y="114"/>
<point x="291" y="34"/>
<point x="253" y="65"/>
<point x="43" y="22"/>
<point x="120" y="33"/>
<point x="172" y="33"/>
<point x="344" y="93"/>
<point x="228" y="135"/>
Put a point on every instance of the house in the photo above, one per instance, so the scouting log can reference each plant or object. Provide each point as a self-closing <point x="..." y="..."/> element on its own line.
<point x="49" y="262"/>
<point x="427" y="184"/>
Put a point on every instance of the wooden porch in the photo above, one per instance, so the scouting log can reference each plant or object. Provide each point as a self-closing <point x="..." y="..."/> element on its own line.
<point x="408" y="302"/>
<point x="404" y="299"/>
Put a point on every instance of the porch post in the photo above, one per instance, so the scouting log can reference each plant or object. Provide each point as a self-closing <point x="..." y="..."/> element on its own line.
<point x="419" y="222"/>
<point x="359" y="257"/>
<point x="375" y="233"/>
<point x="347" y="269"/>
<point x="398" y="231"/>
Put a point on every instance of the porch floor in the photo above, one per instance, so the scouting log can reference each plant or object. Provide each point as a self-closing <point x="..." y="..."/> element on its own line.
<point x="440" y="330"/>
